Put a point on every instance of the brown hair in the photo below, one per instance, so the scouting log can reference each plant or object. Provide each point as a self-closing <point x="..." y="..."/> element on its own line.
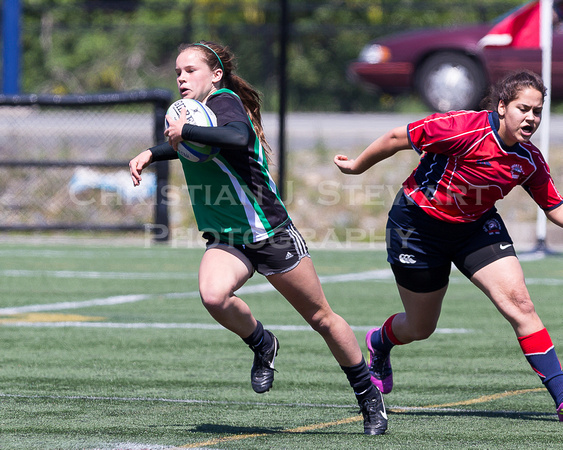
<point x="220" y="57"/>
<point x="508" y="88"/>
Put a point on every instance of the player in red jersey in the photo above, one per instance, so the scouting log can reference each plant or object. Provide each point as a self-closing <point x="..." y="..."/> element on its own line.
<point x="445" y="214"/>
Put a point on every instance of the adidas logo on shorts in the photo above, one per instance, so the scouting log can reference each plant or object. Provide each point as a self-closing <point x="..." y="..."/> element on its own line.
<point x="288" y="255"/>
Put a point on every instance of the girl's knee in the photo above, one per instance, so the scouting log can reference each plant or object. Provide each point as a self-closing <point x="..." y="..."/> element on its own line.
<point x="213" y="299"/>
<point x="422" y="334"/>
<point x="526" y="307"/>
<point x="418" y="331"/>
<point x="326" y="324"/>
<point x="518" y="304"/>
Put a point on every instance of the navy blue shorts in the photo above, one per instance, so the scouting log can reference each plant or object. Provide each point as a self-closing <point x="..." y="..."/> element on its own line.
<point x="417" y="241"/>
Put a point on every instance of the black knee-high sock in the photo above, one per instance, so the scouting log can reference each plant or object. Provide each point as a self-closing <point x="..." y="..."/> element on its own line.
<point x="258" y="339"/>
<point x="360" y="380"/>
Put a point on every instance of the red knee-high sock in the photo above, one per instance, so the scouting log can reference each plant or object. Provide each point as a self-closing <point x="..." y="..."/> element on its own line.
<point x="539" y="351"/>
<point x="388" y="330"/>
<point x="384" y="339"/>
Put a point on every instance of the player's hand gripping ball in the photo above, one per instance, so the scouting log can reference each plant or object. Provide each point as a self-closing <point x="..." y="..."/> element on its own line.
<point x="196" y="114"/>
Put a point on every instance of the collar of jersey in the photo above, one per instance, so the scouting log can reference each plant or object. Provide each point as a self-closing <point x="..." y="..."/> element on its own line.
<point x="224" y="90"/>
<point x="494" y="121"/>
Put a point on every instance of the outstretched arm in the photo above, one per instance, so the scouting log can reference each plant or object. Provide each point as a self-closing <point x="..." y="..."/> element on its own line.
<point x="380" y="149"/>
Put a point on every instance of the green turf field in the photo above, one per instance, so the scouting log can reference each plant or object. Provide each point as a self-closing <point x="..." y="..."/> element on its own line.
<point x="110" y="348"/>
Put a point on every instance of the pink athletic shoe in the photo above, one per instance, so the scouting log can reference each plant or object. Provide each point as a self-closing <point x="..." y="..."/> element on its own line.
<point x="560" y="412"/>
<point x="380" y="367"/>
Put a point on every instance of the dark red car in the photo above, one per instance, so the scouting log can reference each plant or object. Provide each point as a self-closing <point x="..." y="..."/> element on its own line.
<point x="449" y="68"/>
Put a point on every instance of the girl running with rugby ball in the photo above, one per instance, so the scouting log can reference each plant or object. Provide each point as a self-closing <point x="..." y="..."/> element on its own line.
<point x="246" y="225"/>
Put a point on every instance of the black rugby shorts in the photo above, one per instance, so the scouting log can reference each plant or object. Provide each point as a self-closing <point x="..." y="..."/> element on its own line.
<point x="417" y="241"/>
<point x="279" y="253"/>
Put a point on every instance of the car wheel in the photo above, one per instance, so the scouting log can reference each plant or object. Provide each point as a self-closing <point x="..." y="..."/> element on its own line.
<point x="450" y="81"/>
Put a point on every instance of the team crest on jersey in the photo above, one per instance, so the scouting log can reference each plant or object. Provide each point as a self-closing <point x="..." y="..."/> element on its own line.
<point x="492" y="226"/>
<point x="516" y="171"/>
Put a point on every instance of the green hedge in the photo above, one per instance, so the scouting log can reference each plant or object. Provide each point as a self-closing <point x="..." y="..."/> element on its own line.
<point x="79" y="46"/>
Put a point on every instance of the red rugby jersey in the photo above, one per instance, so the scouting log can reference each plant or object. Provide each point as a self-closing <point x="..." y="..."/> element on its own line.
<point x="465" y="167"/>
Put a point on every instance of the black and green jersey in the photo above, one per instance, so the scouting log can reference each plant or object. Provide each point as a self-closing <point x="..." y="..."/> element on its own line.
<point x="233" y="195"/>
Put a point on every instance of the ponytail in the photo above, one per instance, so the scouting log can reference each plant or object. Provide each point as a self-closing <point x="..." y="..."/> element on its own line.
<point x="219" y="57"/>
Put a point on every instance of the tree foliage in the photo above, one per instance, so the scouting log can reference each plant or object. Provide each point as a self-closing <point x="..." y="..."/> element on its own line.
<point x="77" y="46"/>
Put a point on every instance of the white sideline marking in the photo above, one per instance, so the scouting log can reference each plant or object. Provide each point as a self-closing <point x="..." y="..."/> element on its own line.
<point x="397" y="409"/>
<point x="172" y="400"/>
<point x="374" y="275"/>
<point x="550" y="281"/>
<point x="80" y="253"/>
<point x="191" y="326"/>
<point x="98" y="275"/>
<point x="120" y="299"/>
<point x="108" y="301"/>
<point x="382" y="274"/>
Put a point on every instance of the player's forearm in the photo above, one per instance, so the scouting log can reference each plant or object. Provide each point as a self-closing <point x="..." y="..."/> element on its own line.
<point x="382" y="148"/>
<point x="556" y="216"/>
<point x="232" y="135"/>
<point x="163" y="152"/>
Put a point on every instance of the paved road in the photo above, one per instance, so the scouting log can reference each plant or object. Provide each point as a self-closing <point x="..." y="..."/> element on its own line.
<point x="337" y="132"/>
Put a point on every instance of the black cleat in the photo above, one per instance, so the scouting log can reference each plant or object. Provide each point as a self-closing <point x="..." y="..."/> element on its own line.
<point x="262" y="372"/>
<point x="375" y="416"/>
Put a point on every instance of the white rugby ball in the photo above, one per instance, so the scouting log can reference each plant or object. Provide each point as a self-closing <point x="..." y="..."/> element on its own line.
<point x="196" y="114"/>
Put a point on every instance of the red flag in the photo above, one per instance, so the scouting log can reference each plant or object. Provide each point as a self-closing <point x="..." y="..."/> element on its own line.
<point x="520" y="29"/>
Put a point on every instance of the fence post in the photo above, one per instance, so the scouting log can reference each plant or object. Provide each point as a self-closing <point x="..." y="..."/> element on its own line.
<point x="161" y="219"/>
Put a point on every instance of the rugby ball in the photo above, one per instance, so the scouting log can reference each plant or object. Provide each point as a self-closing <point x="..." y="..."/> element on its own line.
<point x="196" y="114"/>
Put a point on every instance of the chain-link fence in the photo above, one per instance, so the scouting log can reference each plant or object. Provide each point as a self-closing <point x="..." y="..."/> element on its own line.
<point x="64" y="161"/>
